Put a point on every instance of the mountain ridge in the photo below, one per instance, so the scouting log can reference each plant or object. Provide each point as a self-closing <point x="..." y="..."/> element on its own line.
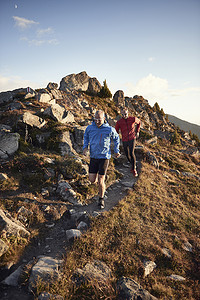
<point x="185" y="125"/>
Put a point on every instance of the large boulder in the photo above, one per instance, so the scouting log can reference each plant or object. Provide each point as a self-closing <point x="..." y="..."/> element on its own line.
<point x="52" y="86"/>
<point x="93" y="270"/>
<point x="94" y="86"/>
<point x="59" y="113"/>
<point x="11" y="227"/>
<point x="46" y="269"/>
<point x="77" y="138"/>
<point x="65" y="144"/>
<point x="118" y="98"/>
<point x="45" y="98"/>
<point x="9" y="143"/>
<point x="33" y="120"/>
<point x="80" y="82"/>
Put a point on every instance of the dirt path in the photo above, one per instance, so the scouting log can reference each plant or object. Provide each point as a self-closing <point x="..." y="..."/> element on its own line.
<point x="53" y="242"/>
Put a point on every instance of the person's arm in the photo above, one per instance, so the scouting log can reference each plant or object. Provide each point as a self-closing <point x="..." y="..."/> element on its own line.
<point x="85" y="141"/>
<point x="137" y="121"/>
<point x="117" y="127"/>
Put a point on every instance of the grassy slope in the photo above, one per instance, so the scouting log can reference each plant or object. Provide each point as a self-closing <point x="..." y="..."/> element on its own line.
<point x="161" y="212"/>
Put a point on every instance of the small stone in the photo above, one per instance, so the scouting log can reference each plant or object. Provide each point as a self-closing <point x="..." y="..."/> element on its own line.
<point x="176" y="277"/>
<point x="187" y="246"/>
<point x="149" y="266"/>
<point x="166" y="252"/>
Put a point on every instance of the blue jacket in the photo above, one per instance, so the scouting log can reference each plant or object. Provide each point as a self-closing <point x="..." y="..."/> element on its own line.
<point x="99" y="139"/>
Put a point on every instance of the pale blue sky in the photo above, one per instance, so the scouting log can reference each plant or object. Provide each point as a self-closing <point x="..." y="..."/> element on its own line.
<point x="144" y="47"/>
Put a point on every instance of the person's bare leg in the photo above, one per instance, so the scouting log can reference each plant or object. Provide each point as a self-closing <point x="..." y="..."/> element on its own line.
<point x="93" y="178"/>
<point x="102" y="186"/>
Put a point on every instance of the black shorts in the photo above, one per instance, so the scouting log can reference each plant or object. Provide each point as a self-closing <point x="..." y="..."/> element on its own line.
<point x="98" y="166"/>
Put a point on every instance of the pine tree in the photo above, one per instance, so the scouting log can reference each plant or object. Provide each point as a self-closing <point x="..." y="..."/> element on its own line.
<point x="105" y="92"/>
<point x="176" y="139"/>
<point x="156" y="107"/>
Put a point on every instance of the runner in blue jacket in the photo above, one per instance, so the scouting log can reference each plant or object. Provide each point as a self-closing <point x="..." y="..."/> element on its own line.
<point x="99" y="135"/>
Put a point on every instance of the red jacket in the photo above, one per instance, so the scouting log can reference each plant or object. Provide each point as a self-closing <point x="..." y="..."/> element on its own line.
<point x="129" y="128"/>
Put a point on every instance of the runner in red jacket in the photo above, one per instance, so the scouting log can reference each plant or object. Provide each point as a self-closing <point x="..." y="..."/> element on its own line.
<point x="130" y="127"/>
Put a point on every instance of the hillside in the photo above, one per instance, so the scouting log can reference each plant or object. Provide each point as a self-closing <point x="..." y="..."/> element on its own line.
<point x="184" y="125"/>
<point x="55" y="242"/>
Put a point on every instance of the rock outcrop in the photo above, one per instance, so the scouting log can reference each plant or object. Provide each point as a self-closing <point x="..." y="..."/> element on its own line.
<point x="119" y="98"/>
<point x="80" y="82"/>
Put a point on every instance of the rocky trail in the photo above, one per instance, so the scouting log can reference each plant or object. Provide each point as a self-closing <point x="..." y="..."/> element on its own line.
<point x="53" y="241"/>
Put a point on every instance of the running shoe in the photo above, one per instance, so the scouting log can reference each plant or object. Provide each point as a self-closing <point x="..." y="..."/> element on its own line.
<point x="134" y="172"/>
<point x="101" y="203"/>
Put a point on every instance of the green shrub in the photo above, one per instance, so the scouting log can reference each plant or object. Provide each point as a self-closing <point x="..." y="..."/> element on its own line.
<point x="105" y="92"/>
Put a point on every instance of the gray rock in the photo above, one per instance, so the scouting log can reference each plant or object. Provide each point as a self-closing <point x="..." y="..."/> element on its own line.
<point x="187" y="246"/>
<point x="73" y="233"/>
<point x="80" y="82"/>
<point x="131" y="290"/>
<point x="23" y="93"/>
<point x="94" y="86"/>
<point x="23" y="214"/>
<point x="188" y="174"/>
<point x="166" y="252"/>
<point x="52" y="86"/>
<point x="56" y="94"/>
<point x="9" y="226"/>
<point x="14" y="106"/>
<point x="9" y="143"/>
<point x="45" y="98"/>
<point x="118" y="98"/>
<point x="191" y="151"/>
<point x="13" y="278"/>
<point x="47" y="269"/>
<point x="94" y="270"/>
<point x="65" y="145"/>
<point x="152" y="159"/>
<point x="59" y="113"/>
<point x="82" y="226"/>
<point x="176" y="277"/>
<point x="6" y="97"/>
<point x="66" y="192"/>
<point x="149" y="266"/>
<point x="77" y="138"/>
<point x="33" y="120"/>
<point x="77" y="82"/>
<point x="3" y="247"/>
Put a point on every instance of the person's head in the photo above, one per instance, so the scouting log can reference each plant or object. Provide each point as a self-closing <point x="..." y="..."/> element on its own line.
<point x="99" y="118"/>
<point x="124" y="112"/>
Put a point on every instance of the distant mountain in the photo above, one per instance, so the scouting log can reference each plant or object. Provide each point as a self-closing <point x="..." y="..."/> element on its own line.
<point x="184" y="125"/>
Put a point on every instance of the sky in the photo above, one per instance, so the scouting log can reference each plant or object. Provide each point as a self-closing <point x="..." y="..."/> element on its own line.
<point x="143" y="47"/>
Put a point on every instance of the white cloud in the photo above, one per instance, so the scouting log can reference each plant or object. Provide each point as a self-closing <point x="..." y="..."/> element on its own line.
<point x="185" y="91"/>
<point x="23" y="23"/>
<point x="40" y="42"/>
<point x="151" y="59"/>
<point x="15" y="82"/>
<point x="149" y="87"/>
<point x="41" y="32"/>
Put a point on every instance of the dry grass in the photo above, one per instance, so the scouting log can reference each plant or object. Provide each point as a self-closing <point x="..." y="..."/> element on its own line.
<point x="157" y="214"/>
